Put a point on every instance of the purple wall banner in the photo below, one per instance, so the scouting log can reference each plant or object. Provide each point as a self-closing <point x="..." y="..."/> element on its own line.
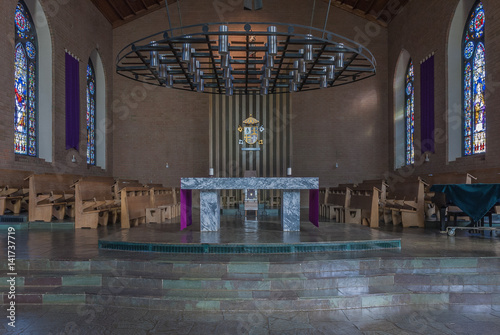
<point x="72" y="102"/>
<point x="314" y="207"/>
<point x="186" y="208"/>
<point x="427" y="105"/>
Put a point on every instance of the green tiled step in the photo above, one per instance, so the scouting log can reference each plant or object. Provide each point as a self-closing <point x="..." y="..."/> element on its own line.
<point x="6" y="220"/>
<point x="281" y="248"/>
<point x="53" y="280"/>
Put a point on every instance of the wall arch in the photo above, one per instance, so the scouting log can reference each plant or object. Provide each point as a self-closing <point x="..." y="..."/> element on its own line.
<point x="399" y="109"/>
<point x="45" y="76"/>
<point x="454" y="85"/>
<point x="100" y="114"/>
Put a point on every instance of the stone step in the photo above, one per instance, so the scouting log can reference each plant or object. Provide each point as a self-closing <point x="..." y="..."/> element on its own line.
<point x="310" y="268"/>
<point x="155" y="300"/>
<point x="53" y="279"/>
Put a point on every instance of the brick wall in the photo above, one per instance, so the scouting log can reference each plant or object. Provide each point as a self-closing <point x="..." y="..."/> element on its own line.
<point x="79" y="27"/>
<point x="346" y="124"/>
<point x="149" y="127"/>
<point x="422" y="28"/>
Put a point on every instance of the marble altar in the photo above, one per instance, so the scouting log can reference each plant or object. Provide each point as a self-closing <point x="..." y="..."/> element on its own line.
<point x="210" y="196"/>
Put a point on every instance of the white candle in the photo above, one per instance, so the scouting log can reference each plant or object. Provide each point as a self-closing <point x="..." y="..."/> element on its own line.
<point x="211" y="172"/>
<point x="289" y="171"/>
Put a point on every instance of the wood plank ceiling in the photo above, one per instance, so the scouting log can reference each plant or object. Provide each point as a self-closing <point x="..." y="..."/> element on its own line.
<point x="380" y="11"/>
<point x="119" y="12"/>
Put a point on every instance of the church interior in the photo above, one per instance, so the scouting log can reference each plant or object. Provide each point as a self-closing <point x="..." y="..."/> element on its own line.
<point x="249" y="167"/>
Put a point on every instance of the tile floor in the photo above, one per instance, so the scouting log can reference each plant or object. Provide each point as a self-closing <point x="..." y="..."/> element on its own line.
<point x="95" y="319"/>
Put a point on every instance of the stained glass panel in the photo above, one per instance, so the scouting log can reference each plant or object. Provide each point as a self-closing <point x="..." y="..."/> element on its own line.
<point x="410" y="114"/>
<point x="469" y="50"/>
<point x="474" y="83"/>
<point x="20" y="89"/>
<point x="25" y="84"/>
<point x="90" y="114"/>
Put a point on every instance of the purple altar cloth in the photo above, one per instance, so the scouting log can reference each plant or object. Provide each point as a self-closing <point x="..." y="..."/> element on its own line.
<point x="314" y="207"/>
<point x="186" y="208"/>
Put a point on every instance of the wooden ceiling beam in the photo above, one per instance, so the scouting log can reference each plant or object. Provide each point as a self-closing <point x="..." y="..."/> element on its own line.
<point x="116" y="9"/>
<point x="112" y="12"/>
<point x="355" y="5"/>
<point x="144" y="4"/>
<point x="370" y="7"/>
<point x="130" y="6"/>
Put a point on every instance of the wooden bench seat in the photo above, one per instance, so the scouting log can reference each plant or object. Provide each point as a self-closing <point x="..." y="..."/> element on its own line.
<point x="134" y="201"/>
<point x="14" y="190"/>
<point x="405" y="203"/>
<point x="363" y="207"/>
<point x="95" y="202"/>
<point x="51" y="195"/>
<point x="162" y="204"/>
<point x="338" y="199"/>
<point x="436" y="203"/>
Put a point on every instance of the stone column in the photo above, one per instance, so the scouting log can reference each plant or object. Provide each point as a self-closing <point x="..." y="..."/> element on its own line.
<point x="290" y="210"/>
<point x="209" y="210"/>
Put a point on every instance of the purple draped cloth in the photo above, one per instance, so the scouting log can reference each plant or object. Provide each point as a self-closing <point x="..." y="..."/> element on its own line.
<point x="314" y="207"/>
<point x="427" y="105"/>
<point x="72" y="102"/>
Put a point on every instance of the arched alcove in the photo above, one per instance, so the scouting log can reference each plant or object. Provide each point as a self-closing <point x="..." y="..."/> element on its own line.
<point x="100" y="114"/>
<point x="45" y="83"/>
<point x="399" y="109"/>
<point x="454" y="58"/>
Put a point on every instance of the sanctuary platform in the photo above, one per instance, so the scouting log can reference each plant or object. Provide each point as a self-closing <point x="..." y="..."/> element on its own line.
<point x="240" y="235"/>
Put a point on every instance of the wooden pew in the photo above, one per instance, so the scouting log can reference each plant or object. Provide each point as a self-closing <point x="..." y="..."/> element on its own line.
<point x="122" y="183"/>
<point x="338" y="199"/>
<point x="363" y="207"/>
<point x="406" y="202"/>
<point x="486" y="176"/>
<point x="323" y="197"/>
<point x="162" y="204"/>
<point x="177" y="201"/>
<point x="438" y="201"/>
<point x="14" y="190"/>
<point x="51" y="195"/>
<point x="95" y="202"/>
<point x="381" y="184"/>
<point x="134" y="201"/>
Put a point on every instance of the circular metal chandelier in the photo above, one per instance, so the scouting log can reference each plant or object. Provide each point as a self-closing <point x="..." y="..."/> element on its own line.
<point x="246" y="58"/>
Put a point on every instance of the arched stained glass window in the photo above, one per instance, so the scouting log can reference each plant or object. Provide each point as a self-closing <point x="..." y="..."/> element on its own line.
<point x="410" y="114"/>
<point x="91" y="103"/>
<point x="474" y="77"/>
<point x="25" y="83"/>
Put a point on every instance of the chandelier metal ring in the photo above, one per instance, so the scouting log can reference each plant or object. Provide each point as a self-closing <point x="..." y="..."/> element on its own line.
<point x="246" y="58"/>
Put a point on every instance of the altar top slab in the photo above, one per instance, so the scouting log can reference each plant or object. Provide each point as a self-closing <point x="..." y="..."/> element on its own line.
<point x="272" y="183"/>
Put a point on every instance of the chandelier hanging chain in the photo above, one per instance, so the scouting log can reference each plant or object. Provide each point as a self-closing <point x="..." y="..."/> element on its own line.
<point x="246" y="58"/>
<point x="178" y="11"/>
<point x="312" y="15"/>
<point x="168" y="15"/>
<point x="326" y="18"/>
<point x="180" y="16"/>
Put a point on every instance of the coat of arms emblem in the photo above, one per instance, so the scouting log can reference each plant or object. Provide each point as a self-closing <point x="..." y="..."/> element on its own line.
<point x="251" y="130"/>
